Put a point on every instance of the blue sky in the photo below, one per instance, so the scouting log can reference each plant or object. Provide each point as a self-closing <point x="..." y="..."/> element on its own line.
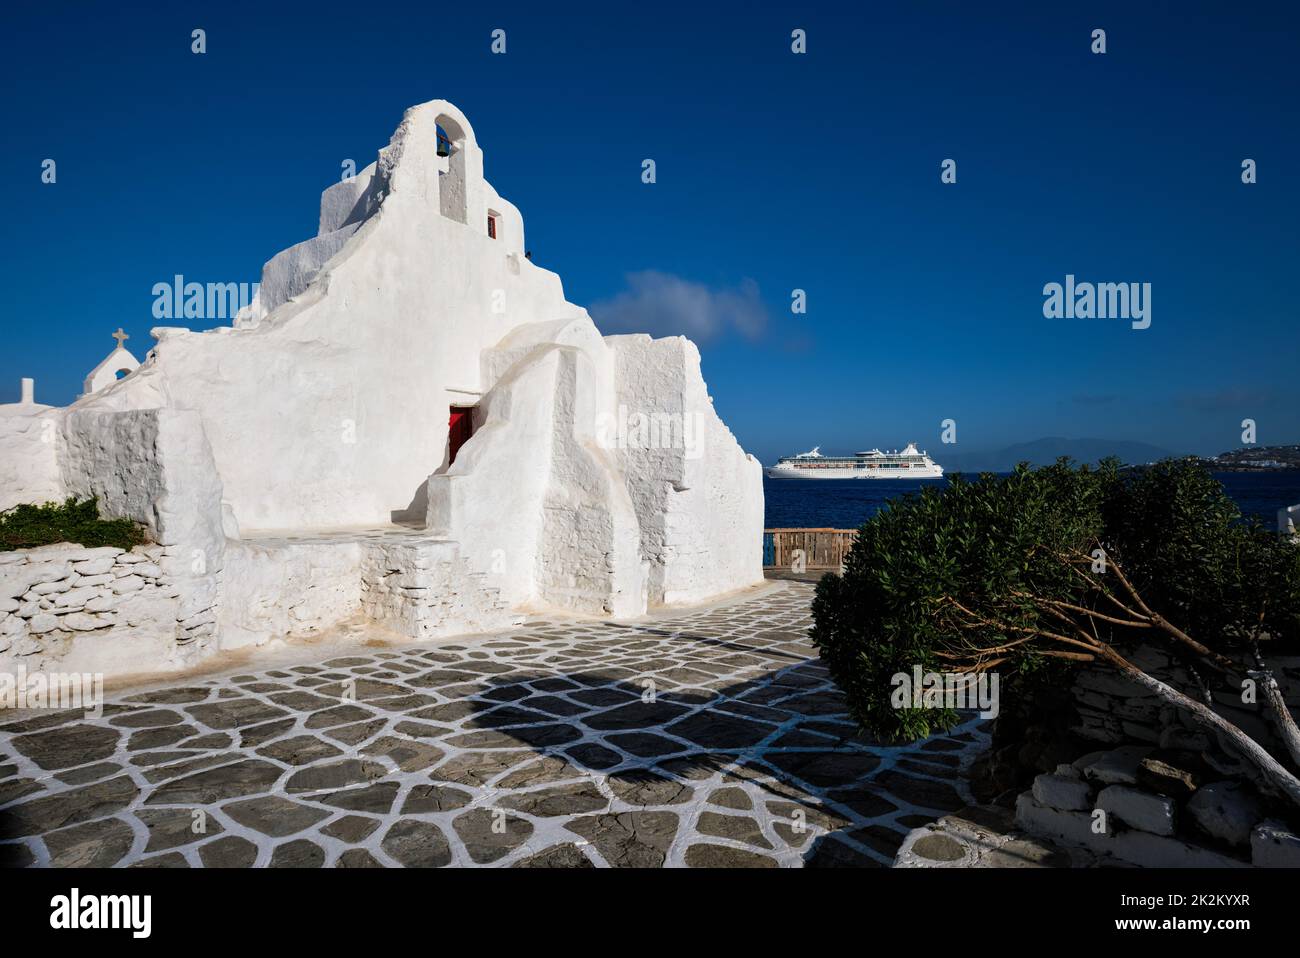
<point x="775" y="171"/>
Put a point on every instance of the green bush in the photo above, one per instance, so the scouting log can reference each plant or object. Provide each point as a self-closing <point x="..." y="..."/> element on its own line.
<point x="988" y="543"/>
<point x="27" y="526"/>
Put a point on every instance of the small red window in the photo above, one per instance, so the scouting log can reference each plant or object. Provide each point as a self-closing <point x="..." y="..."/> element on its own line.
<point x="492" y="227"/>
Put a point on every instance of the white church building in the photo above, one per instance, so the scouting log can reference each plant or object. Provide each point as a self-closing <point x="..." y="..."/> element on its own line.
<point x="410" y="427"/>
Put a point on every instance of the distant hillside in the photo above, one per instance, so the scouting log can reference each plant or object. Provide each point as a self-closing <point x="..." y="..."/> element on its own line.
<point x="1255" y="459"/>
<point x="1044" y="452"/>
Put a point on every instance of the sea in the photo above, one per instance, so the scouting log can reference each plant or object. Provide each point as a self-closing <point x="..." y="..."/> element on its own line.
<point x="847" y="503"/>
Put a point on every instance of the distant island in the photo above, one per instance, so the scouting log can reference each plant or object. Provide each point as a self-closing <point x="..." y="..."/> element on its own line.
<point x="1255" y="459"/>
<point x="1044" y="452"/>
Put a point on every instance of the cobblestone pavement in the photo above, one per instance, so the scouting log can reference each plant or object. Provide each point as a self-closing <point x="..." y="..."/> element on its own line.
<point x="542" y="746"/>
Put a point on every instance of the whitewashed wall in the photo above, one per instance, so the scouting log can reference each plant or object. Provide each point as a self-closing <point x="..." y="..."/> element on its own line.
<point x="331" y="410"/>
<point x="324" y="408"/>
<point x="29" y="467"/>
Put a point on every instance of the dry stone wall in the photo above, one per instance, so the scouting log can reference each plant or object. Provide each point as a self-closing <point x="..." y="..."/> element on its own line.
<point x="1142" y="806"/>
<point x="420" y="587"/>
<point x="1113" y="710"/>
<point x="95" y="609"/>
<point x="1162" y="791"/>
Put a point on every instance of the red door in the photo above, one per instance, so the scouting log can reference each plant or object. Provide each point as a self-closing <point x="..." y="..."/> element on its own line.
<point x="461" y="428"/>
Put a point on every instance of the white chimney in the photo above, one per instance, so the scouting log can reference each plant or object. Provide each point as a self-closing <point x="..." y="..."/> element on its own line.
<point x="29" y="392"/>
<point x="1286" y="520"/>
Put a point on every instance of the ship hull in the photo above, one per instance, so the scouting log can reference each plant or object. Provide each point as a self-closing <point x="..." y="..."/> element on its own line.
<point x="853" y="472"/>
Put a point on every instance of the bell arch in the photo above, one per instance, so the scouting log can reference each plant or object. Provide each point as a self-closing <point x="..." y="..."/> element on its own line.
<point x="452" y="153"/>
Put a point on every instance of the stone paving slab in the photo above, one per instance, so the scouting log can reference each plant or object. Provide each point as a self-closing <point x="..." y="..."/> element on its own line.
<point x="984" y="836"/>
<point x="712" y="738"/>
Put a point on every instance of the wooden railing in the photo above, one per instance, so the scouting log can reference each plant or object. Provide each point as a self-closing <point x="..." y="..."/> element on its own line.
<point x="799" y="550"/>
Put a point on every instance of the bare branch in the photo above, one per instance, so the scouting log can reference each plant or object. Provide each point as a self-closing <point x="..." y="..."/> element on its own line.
<point x="1097" y="586"/>
<point x="975" y="619"/>
<point x="1272" y="771"/>
<point x="1074" y="656"/>
<point x="1214" y="659"/>
<point x="1283" y="721"/>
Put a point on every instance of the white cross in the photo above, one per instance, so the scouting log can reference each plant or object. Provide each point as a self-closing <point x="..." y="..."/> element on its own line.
<point x="121" y="337"/>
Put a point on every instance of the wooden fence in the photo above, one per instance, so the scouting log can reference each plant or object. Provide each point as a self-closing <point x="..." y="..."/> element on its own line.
<point x="806" y="549"/>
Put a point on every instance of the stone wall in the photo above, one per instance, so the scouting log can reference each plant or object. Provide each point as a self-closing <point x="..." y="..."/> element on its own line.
<point x="420" y="587"/>
<point x="1162" y="791"/>
<point x="287" y="589"/>
<point x="91" y="610"/>
<point x="71" y="608"/>
<point x="1142" y="806"/>
<point x="1112" y="710"/>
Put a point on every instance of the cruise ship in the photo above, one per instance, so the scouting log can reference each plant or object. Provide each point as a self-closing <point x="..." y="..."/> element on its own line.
<point x="872" y="464"/>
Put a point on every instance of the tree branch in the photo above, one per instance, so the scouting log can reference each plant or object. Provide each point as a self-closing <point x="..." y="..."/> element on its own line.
<point x="1212" y="658"/>
<point x="1272" y="771"/>
<point x="1283" y="720"/>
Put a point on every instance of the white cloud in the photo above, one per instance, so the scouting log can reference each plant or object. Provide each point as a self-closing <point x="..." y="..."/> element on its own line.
<point x="665" y="305"/>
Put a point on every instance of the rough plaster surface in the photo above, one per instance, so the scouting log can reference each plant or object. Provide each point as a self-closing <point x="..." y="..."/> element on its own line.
<point x="29" y="465"/>
<point x="323" y="412"/>
<point x="696" y="499"/>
